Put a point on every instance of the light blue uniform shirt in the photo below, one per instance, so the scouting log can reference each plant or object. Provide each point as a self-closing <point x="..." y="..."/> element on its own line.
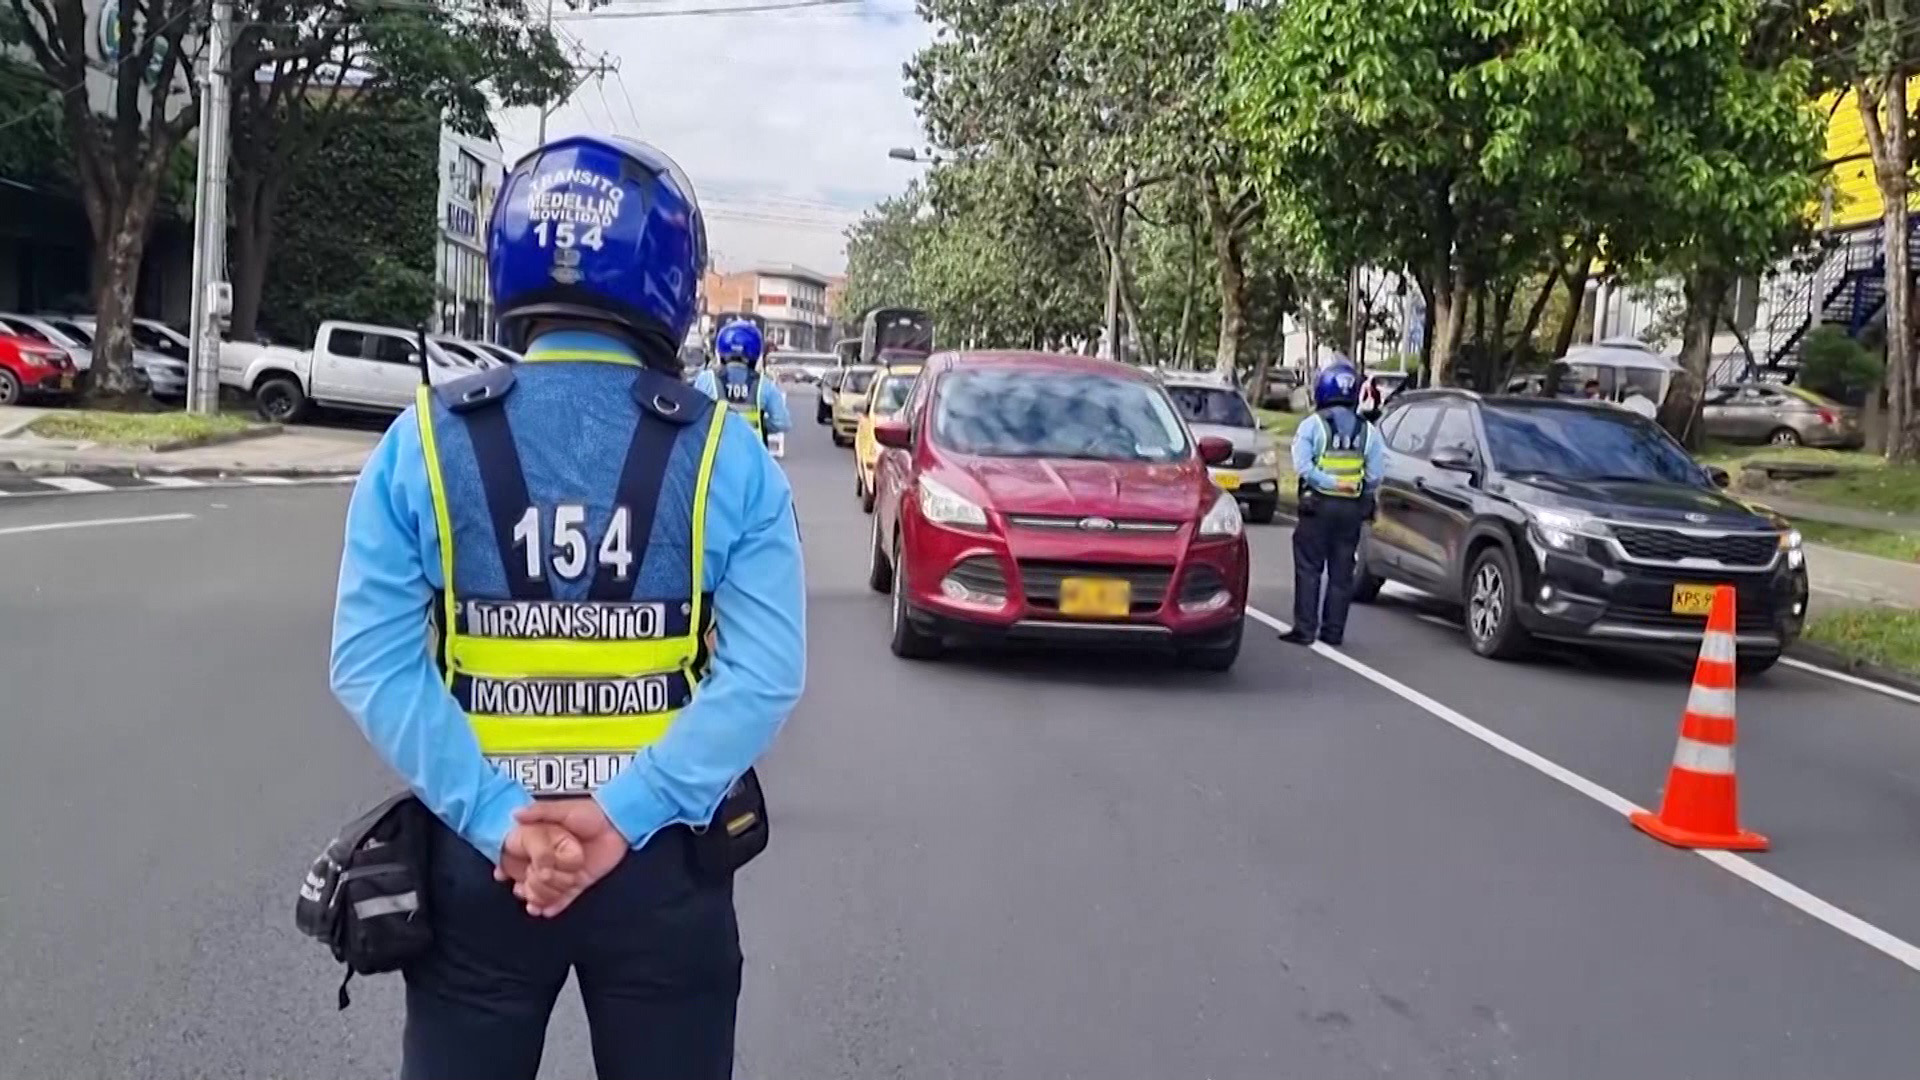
<point x="773" y="403"/>
<point x="1310" y="438"/>
<point x="384" y="670"/>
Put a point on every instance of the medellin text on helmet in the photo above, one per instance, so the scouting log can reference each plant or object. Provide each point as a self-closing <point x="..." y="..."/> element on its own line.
<point x="577" y="195"/>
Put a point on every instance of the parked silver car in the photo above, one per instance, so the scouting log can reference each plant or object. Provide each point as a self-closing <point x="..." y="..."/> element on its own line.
<point x="1780" y="415"/>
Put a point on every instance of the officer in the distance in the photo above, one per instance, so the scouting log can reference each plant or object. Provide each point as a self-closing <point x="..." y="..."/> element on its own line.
<point x="533" y="558"/>
<point x="1336" y="455"/>
<point x="739" y="382"/>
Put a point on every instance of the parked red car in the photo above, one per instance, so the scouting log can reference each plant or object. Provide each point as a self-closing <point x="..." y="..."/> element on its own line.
<point x="1056" y="499"/>
<point x="31" y="368"/>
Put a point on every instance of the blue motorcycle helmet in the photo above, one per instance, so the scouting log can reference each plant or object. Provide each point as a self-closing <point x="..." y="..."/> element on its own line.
<point x="1337" y="384"/>
<point x="739" y="342"/>
<point x="602" y="231"/>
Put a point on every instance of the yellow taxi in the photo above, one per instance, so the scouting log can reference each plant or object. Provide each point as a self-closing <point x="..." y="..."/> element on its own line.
<point x="887" y="396"/>
<point x="849" y="398"/>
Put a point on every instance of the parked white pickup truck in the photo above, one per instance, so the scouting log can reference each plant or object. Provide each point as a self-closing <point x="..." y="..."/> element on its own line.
<point x="351" y="366"/>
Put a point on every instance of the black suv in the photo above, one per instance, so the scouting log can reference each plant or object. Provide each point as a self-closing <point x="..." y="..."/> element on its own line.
<point x="1572" y="521"/>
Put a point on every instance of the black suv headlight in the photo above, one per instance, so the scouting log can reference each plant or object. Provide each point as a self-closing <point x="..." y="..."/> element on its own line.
<point x="1565" y="530"/>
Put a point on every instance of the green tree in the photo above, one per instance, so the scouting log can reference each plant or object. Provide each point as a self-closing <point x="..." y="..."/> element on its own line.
<point x="301" y="68"/>
<point x="390" y="161"/>
<point x="123" y="151"/>
<point x="880" y="252"/>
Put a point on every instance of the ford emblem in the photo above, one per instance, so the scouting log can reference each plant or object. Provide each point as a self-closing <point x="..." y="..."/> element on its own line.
<point x="1697" y="519"/>
<point x="1097" y="524"/>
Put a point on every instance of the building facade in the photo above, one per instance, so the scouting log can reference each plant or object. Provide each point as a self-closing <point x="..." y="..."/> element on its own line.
<point x="472" y="172"/>
<point x="792" y="300"/>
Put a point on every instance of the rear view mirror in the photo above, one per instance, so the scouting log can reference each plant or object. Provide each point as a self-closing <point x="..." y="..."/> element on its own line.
<point x="893" y="433"/>
<point x="1720" y="477"/>
<point x="1214" y="450"/>
<point x="1454" y="459"/>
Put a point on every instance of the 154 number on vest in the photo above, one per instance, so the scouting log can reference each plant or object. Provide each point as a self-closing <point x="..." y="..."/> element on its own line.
<point x="563" y="545"/>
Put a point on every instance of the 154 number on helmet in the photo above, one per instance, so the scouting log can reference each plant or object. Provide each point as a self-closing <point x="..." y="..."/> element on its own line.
<point x="562" y="234"/>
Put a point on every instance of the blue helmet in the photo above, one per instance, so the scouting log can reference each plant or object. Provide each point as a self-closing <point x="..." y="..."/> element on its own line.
<point x="604" y="230"/>
<point x="738" y="341"/>
<point x="1338" y="384"/>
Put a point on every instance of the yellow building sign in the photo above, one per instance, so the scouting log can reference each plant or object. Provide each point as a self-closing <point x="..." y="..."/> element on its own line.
<point x="1855" y="199"/>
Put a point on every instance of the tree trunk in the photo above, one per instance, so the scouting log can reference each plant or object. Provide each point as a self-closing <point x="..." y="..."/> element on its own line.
<point x="1450" y="324"/>
<point x="1233" y="279"/>
<point x="1183" y="348"/>
<point x="1706" y="291"/>
<point x="1131" y="304"/>
<point x="1885" y="118"/>
<point x="256" y="200"/>
<point x="1576" y="282"/>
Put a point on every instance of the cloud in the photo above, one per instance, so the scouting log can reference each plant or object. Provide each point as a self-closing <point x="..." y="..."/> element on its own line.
<point x="782" y="119"/>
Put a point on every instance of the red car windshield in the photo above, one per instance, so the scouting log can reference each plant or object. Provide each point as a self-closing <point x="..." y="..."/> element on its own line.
<point x="1057" y="414"/>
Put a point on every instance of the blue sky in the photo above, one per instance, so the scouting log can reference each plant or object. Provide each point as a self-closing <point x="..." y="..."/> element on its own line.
<point x="783" y="119"/>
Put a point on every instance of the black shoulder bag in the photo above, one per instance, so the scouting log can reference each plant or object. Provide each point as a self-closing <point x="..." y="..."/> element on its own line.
<point x="365" y="896"/>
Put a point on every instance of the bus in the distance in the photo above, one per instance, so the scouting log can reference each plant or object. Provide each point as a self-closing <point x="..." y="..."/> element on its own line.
<point x="896" y="335"/>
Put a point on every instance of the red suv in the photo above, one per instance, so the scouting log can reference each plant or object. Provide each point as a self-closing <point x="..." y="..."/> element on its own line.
<point x="1059" y="499"/>
<point x="29" y="367"/>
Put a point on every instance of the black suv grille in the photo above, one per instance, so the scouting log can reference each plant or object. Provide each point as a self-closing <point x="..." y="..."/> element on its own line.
<point x="1667" y="545"/>
<point x="981" y="573"/>
<point x="1041" y="580"/>
<point x="1241" y="459"/>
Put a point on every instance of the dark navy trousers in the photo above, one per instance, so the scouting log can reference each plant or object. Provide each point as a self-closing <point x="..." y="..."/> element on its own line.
<point x="1325" y="542"/>
<point x="655" y="949"/>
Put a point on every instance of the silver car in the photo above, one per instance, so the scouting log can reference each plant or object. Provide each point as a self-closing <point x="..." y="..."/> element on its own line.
<point x="163" y="376"/>
<point x="1780" y="415"/>
<point x="1213" y="406"/>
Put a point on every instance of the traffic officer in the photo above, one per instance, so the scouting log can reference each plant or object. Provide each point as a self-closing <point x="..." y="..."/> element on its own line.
<point x="535" y="556"/>
<point x="739" y="383"/>
<point x="1336" y="455"/>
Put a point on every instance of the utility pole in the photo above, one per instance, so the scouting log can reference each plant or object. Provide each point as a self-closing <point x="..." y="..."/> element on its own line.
<point x="211" y="300"/>
<point x="599" y="67"/>
<point x="544" y="110"/>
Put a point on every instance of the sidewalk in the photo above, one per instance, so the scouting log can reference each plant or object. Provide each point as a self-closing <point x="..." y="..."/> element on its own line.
<point x="296" y="451"/>
<point x="1842" y="515"/>
<point x="1843" y="579"/>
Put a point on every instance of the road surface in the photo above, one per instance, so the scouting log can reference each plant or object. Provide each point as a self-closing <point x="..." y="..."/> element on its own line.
<point x="985" y="868"/>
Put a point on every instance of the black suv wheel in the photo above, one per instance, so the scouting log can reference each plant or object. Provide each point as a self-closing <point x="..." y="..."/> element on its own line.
<point x="1366" y="584"/>
<point x="1493" y="597"/>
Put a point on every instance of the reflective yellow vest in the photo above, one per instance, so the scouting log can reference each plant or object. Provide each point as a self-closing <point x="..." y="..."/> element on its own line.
<point x="562" y="693"/>
<point x="1344" y="457"/>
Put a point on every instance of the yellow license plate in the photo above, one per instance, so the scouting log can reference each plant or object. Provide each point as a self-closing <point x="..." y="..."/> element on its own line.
<point x="1692" y="599"/>
<point x="66" y="382"/>
<point x="1228" y="481"/>
<point x="1100" y="598"/>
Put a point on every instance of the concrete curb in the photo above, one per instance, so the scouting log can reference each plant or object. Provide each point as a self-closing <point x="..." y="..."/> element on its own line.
<point x="91" y="469"/>
<point x="194" y="442"/>
<point x="1821" y="656"/>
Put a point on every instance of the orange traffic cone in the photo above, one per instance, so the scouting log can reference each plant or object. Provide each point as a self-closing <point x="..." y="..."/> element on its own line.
<point x="1701" y="807"/>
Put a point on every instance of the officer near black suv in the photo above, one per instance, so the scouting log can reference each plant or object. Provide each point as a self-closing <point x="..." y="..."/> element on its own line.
<point x="1336" y="455"/>
<point x="571" y="616"/>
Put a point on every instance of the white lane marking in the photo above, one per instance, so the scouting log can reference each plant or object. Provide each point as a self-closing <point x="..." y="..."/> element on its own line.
<point x="174" y="481"/>
<point x="1851" y="925"/>
<point x="1853" y="680"/>
<point x="55" y="526"/>
<point x="269" y="480"/>
<point x="73" y="483"/>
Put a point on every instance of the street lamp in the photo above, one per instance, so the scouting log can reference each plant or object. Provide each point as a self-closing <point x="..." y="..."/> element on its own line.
<point x="907" y="153"/>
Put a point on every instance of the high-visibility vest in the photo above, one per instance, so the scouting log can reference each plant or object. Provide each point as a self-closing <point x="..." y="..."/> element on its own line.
<point x="573" y="626"/>
<point x="1343" y="456"/>
<point x="743" y="396"/>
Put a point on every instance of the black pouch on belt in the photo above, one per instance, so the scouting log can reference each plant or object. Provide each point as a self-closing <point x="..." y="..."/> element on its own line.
<point x="365" y="896"/>
<point x="737" y="833"/>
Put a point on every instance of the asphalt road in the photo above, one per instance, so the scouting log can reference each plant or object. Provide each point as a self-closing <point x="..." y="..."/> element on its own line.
<point x="988" y="868"/>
